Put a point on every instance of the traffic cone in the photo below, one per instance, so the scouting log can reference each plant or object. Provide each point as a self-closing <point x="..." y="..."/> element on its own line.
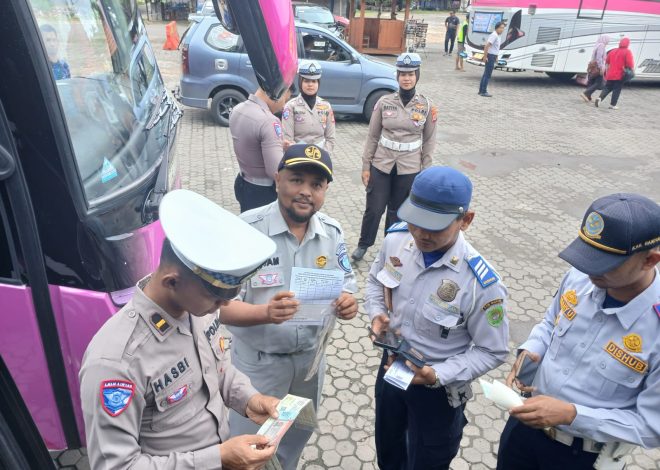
<point x="171" y="37"/>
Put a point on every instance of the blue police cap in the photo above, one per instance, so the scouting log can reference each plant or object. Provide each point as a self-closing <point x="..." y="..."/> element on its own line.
<point x="614" y="228"/>
<point x="438" y="196"/>
<point x="205" y="237"/>
<point x="310" y="69"/>
<point x="408" y="62"/>
<point x="309" y="155"/>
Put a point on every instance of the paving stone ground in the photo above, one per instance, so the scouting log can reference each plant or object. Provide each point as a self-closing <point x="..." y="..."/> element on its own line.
<point x="537" y="156"/>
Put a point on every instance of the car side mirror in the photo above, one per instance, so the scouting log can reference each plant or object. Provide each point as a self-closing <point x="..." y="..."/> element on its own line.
<point x="354" y="59"/>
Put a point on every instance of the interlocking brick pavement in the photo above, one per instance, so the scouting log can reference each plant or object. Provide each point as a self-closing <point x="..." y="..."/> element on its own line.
<point x="537" y="156"/>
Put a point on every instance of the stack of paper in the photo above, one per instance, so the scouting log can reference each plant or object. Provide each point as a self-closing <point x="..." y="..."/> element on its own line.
<point x="399" y="374"/>
<point x="501" y="394"/>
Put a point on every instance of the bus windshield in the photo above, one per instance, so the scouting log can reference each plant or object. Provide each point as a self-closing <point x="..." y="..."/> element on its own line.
<point x="109" y="87"/>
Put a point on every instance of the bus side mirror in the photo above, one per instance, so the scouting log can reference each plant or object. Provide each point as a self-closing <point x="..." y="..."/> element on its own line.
<point x="7" y="164"/>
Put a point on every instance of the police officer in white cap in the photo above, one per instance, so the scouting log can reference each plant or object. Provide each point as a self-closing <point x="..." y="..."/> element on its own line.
<point x="309" y="118"/>
<point x="156" y="380"/>
<point x="279" y="357"/>
<point x="400" y="144"/>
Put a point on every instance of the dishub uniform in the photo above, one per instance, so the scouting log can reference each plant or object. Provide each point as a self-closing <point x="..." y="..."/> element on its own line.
<point x="453" y="313"/>
<point x="312" y="126"/>
<point x="606" y="361"/>
<point x="278" y="357"/>
<point x="145" y="387"/>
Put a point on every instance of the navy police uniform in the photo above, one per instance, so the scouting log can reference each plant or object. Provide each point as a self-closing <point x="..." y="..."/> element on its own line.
<point x="452" y="311"/>
<point x="598" y="353"/>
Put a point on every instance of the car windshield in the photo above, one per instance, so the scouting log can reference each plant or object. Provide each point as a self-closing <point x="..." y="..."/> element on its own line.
<point x="315" y="15"/>
<point x="109" y="87"/>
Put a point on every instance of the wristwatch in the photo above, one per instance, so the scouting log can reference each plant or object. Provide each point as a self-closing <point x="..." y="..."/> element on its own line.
<point x="435" y="384"/>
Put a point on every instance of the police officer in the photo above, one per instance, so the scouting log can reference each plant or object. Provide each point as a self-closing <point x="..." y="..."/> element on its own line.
<point x="430" y="285"/>
<point x="257" y="137"/>
<point x="400" y="144"/>
<point x="593" y="363"/>
<point x="156" y="380"/>
<point x="281" y="358"/>
<point x="309" y="118"/>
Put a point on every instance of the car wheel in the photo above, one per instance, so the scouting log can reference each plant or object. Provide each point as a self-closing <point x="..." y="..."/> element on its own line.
<point x="371" y="102"/>
<point x="223" y="103"/>
<point x="561" y="76"/>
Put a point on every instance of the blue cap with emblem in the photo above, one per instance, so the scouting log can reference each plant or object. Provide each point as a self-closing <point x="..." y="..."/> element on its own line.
<point x="310" y="69"/>
<point x="438" y="196"/>
<point x="408" y="62"/>
<point x="205" y="237"/>
<point x="614" y="228"/>
<point x="309" y="155"/>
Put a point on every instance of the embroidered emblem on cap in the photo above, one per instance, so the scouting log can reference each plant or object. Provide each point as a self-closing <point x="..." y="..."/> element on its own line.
<point x="633" y="342"/>
<point x="407" y="60"/>
<point x="177" y="396"/>
<point x="626" y="359"/>
<point x="448" y="290"/>
<point x="321" y="261"/>
<point x="312" y="68"/>
<point x="594" y="225"/>
<point x="313" y="152"/>
<point x="116" y="395"/>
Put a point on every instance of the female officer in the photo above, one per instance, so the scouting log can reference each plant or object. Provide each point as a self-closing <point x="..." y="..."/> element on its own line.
<point x="400" y="144"/>
<point x="309" y="118"/>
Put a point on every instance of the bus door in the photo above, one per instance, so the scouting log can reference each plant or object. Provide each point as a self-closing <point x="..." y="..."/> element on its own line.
<point x="548" y="44"/>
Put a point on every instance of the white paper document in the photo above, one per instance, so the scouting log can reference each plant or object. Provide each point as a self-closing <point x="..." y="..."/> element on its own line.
<point x="399" y="374"/>
<point x="502" y="395"/>
<point x="316" y="290"/>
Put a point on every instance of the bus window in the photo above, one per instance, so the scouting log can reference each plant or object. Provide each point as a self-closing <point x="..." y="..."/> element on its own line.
<point x="106" y="79"/>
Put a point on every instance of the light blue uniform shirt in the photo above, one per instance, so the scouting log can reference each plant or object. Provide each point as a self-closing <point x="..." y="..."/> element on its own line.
<point x="322" y="247"/>
<point x="604" y="361"/>
<point x="459" y="326"/>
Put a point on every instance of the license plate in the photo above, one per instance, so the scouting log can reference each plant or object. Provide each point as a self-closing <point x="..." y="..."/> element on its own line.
<point x="478" y="55"/>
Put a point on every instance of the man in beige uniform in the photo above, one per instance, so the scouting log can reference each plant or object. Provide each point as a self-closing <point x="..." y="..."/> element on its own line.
<point x="156" y="380"/>
<point x="257" y="137"/>
<point x="400" y="144"/>
<point x="308" y="118"/>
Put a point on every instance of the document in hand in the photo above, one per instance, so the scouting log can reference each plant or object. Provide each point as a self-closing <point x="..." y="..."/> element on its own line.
<point x="316" y="290"/>
<point x="501" y="394"/>
<point x="399" y="374"/>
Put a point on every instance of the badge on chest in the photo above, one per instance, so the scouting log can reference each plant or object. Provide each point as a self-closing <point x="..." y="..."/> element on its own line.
<point x="269" y="277"/>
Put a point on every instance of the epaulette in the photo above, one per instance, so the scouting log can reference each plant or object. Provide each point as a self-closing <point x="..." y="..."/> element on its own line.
<point x="252" y="216"/>
<point x="485" y="274"/>
<point x="398" y="227"/>
<point x="329" y="221"/>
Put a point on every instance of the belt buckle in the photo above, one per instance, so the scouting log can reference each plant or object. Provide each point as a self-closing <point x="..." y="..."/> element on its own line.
<point x="397" y="146"/>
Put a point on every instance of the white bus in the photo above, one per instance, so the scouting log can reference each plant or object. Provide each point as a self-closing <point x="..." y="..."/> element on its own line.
<point x="558" y="36"/>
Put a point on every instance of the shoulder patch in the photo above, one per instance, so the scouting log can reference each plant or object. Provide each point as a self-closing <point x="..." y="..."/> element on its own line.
<point x="485" y="274"/>
<point x="398" y="227"/>
<point x="278" y="129"/>
<point x="342" y="258"/>
<point x="656" y="307"/>
<point x="116" y="395"/>
<point x="286" y="113"/>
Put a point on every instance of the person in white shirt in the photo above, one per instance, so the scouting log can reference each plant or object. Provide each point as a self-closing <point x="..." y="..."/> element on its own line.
<point x="491" y="51"/>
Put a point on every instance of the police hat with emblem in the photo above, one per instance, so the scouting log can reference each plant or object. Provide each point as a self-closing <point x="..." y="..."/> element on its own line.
<point x="206" y="238"/>
<point x="307" y="154"/>
<point x="614" y="228"/>
<point x="439" y="195"/>
<point x="310" y="69"/>
<point x="408" y="62"/>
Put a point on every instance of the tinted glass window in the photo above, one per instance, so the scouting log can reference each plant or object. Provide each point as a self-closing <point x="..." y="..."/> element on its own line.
<point x="221" y="39"/>
<point x="108" y="85"/>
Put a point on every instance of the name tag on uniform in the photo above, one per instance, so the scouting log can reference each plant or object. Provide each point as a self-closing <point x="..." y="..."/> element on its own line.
<point x="267" y="278"/>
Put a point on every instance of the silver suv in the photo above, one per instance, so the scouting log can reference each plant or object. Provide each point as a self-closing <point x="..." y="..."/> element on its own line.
<point x="217" y="73"/>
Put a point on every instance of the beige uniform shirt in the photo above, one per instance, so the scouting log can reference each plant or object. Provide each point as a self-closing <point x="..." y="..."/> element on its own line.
<point x="155" y="395"/>
<point x="257" y="137"/>
<point x="312" y="126"/>
<point x="390" y="119"/>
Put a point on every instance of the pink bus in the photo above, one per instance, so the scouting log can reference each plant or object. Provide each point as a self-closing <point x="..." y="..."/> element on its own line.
<point x="86" y="135"/>
<point x="558" y="36"/>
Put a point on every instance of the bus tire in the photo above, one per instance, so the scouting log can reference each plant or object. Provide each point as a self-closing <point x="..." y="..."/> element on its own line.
<point x="371" y="102"/>
<point x="223" y="103"/>
<point x="561" y="76"/>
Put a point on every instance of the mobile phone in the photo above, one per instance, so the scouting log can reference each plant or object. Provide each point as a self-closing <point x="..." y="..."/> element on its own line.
<point x="410" y="353"/>
<point x="527" y="371"/>
<point x="388" y="340"/>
